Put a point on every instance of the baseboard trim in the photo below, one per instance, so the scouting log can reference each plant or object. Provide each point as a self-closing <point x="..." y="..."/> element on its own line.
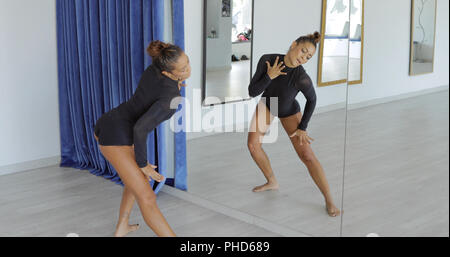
<point x="233" y="213"/>
<point x="30" y="165"/>
<point x="396" y="97"/>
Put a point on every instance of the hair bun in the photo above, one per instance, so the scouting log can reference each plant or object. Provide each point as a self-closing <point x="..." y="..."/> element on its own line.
<point x="156" y="48"/>
<point x="316" y="37"/>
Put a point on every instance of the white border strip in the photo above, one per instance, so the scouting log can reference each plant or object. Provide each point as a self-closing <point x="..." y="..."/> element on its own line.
<point x="30" y="165"/>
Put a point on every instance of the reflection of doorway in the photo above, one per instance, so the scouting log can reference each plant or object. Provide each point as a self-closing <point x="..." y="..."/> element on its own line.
<point x="229" y="53"/>
<point x="335" y="58"/>
<point x="228" y="83"/>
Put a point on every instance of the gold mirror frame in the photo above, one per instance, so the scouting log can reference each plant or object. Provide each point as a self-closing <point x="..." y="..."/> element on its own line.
<point x="411" y="53"/>
<point x="322" y="40"/>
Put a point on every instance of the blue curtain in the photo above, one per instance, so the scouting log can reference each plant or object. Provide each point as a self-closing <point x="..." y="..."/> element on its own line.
<point x="180" y="137"/>
<point x="101" y="56"/>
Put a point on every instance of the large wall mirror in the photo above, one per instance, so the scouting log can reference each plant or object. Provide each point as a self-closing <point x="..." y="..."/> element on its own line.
<point x="386" y="190"/>
<point x="231" y="172"/>
<point x="227" y="51"/>
<point x="343" y="30"/>
<point x="423" y="28"/>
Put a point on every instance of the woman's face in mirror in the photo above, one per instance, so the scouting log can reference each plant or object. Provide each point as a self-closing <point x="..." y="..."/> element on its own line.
<point x="301" y="53"/>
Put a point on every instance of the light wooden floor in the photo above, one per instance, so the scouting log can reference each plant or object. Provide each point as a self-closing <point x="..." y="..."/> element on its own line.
<point x="396" y="183"/>
<point x="56" y="201"/>
<point x="396" y="180"/>
<point x="228" y="83"/>
<point x="397" y="168"/>
<point x="222" y="170"/>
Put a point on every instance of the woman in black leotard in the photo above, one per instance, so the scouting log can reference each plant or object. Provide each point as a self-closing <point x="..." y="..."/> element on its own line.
<point x="122" y="134"/>
<point x="284" y="80"/>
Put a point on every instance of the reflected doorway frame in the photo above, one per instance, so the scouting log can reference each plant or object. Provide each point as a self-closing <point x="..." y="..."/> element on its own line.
<point x="322" y="42"/>
<point x="204" y="38"/>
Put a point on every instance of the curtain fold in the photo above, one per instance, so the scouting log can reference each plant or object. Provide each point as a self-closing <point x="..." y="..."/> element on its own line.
<point x="180" y="173"/>
<point x="101" y="57"/>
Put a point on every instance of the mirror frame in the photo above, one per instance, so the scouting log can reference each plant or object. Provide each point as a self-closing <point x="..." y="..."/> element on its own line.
<point x="204" y="38"/>
<point x="411" y="51"/>
<point x="322" y="41"/>
<point x="360" y="81"/>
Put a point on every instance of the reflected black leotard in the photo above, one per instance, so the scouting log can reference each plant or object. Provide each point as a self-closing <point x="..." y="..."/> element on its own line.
<point x="286" y="88"/>
<point x="131" y="122"/>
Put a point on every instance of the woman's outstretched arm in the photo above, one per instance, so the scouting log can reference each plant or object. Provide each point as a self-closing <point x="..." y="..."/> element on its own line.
<point x="156" y="114"/>
<point x="307" y="88"/>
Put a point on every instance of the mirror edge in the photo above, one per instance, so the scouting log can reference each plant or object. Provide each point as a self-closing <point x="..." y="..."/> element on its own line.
<point x="360" y="81"/>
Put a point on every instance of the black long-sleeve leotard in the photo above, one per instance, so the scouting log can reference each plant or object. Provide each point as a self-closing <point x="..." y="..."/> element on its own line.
<point x="286" y="88"/>
<point x="132" y="121"/>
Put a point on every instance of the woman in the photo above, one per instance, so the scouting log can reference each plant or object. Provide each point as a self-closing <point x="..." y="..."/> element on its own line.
<point x="122" y="134"/>
<point x="284" y="79"/>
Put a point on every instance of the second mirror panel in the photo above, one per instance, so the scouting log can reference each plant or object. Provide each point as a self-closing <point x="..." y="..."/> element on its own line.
<point x="396" y="167"/>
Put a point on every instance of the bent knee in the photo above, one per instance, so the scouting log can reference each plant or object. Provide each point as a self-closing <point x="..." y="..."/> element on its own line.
<point x="147" y="199"/>
<point x="253" y="146"/>
<point x="307" y="157"/>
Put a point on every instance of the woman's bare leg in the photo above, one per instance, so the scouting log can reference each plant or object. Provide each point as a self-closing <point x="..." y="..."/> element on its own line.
<point x="308" y="157"/>
<point x="122" y="159"/>
<point x="123" y="227"/>
<point x="258" y="127"/>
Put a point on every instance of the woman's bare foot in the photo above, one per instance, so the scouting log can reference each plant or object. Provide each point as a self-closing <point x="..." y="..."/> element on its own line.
<point x="332" y="210"/>
<point x="266" y="187"/>
<point x="123" y="229"/>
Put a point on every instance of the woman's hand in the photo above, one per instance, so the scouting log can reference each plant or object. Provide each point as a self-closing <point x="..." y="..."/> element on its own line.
<point x="181" y="84"/>
<point x="303" y="136"/>
<point x="275" y="70"/>
<point x="149" y="172"/>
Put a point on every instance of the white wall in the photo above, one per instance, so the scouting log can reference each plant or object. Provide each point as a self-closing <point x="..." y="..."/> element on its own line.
<point x="29" y="121"/>
<point x="29" y="118"/>
<point x="219" y="48"/>
<point x="214" y="9"/>
<point x="386" y="52"/>
<point x="386" y="55"/>
<point x="242" y="48"/>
